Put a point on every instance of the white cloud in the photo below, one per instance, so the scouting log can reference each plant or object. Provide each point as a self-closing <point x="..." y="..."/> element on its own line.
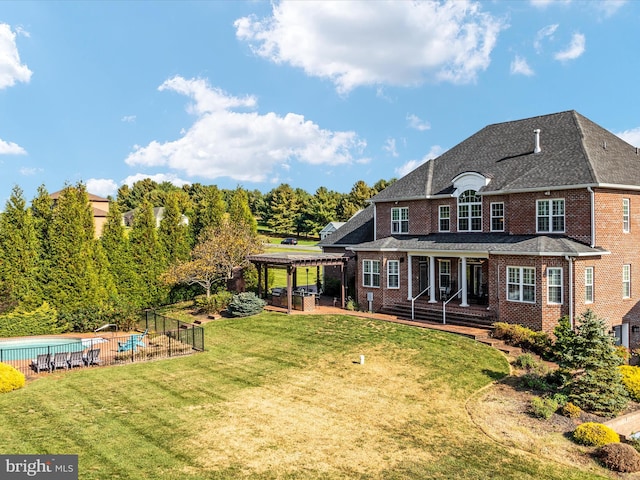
<point x="128" y="119"/>
<point x="245" y="146"/>
<point x="545" y="33"/>
<point x="11" y="69"/>
<point x="631" y="136"/>
<point x="103" y="187"/>
<point x="158" y="178"/>
<point x="360" y="43"/>
<point x="546" y="3"/>
<point x="390" y="147"/>
<point x="519" y="66"/>
<point x="411" y="165"/>
<point x="574" y="50"/>
<point x="10" y="148"/>
<point x="609" y="7"/>
<point x="418" y="124"/>
<point x="29" y="171"/>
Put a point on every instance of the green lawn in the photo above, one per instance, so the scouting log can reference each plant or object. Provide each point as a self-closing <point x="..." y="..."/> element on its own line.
<point x="278" y="396"/>
<point x="279" y="275"/>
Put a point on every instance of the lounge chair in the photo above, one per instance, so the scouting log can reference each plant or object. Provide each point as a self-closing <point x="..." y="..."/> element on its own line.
<point x="60" y="360"/>
<point x="76" y="360"/>
<point x="92" y="357"/>
<point x="43" y="362"/>
<point x="132" y="342"/>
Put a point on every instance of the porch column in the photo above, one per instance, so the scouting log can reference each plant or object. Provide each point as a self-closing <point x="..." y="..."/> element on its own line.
<point x="432" y="279"/>
<point x="463" y="280"/>
<point x="409" y="278"/>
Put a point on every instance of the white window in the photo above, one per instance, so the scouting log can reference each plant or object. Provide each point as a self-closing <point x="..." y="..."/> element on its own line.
<point x="469" y="212"/>
<point x="550" y="215"/>
<point x="521" y="284"/>
<point x="497" y="217"/>
<point x="445" y="273"/>
<point x="626" y="281"/>
<point x="393" y="274"/>
<point x="588" y="285"/>
<point x="400" y="220"/>
<point x="371" y="273"/>
<point x="554" y="285"/>
<point x="625" y="215"/>
<point x="444" y="215"/>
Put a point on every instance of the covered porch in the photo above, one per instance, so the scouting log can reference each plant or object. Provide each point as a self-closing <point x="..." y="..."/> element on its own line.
<point x="291" y="262"/>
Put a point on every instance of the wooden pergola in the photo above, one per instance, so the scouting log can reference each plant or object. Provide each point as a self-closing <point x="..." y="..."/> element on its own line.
<point x="293" y="261"/>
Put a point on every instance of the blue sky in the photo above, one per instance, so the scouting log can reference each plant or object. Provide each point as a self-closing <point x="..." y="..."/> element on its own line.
<point x="306" y="93"/>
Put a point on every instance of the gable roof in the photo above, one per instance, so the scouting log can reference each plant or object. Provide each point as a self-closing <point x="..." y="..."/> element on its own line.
<point x="332" y="226"/>
<point x="576" y="152"/>
<point x="357" y="229"/>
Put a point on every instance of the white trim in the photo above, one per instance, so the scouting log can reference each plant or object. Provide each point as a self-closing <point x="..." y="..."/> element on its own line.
<point x="626" y="279"/>
<point x="397" y="274"/>
<point x="592" y="284"/>
<point x="492" y="217"/>
<point x="626" y="218"/>
<point x="550" y="215"/>
<point x="371" y="273"/>
<point x="520" y="284"/>
<point x="440" y="218"/>
<point x="549" y="286"/>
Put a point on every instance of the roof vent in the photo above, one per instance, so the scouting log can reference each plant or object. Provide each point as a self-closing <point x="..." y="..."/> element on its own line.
<point x="537" y="148"/>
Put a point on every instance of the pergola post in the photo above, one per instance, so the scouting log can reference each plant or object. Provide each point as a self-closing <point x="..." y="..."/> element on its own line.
<point x="342" y="285"/>
<point x="290" y="269"/>
<point x="260" y="293"/>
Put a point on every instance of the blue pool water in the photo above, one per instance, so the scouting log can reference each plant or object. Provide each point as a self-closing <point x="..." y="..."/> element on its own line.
<point x="25" y="348"/>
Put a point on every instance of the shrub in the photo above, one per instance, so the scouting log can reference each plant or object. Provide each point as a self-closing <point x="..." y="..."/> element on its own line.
<point x="543" y="407"/>
<point x="526" y="361"/>
<point x="10" y="378"/>
<point x="41" y="321"/>
<point x="631" y="380"/>
<point x="594" y="434"/>
<point x="619" y="457"/>
<point x="519" y="336"/>
<point x="352" y="305"/>
<point x="535" y="381"/>
<point x="245" y="304"/>
<point x="214" y="304"/>
<point x="561" y="399"/>
<point x="571" y="411"/>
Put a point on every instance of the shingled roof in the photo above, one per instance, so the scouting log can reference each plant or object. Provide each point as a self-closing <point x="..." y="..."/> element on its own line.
<point x="357" y="230"/>
<point x="575" y="152"/>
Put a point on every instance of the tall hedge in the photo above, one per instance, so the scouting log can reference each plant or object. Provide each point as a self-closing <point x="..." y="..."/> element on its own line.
<point x="41" y="321"/>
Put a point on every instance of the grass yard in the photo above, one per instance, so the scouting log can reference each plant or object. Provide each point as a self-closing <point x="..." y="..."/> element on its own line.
<point x="278" y="396"/>
<point x="279" y="275"/>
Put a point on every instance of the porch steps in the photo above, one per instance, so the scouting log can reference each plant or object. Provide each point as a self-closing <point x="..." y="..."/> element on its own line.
<point x="433" y="314"/>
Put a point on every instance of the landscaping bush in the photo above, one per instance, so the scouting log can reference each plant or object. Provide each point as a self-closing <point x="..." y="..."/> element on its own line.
<point x="43" y="320"/>
<point x="619" y="457"/>
<point x="526" y="361"/>
<point x="595" y="434"/>
<point x="245" y="304"/>
<point x="571" y="411"/>
<point x="543" y="407"/>
<point x="631" y="380"/>
<point x="10" y="378"/>
<point x="352" y="305"/>
<point x="214" y="304"/>
<point x="519" y="336"/>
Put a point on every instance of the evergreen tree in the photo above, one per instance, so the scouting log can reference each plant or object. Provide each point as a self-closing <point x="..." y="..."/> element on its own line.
<point x="173" y="233"/>
<point x="209" y="209"/>
<point x="282" y="209"/>
<point x="239" y="211"/>
<point x="587" y="358"/>
<point x="115" y="244"/>
<point x="355" y="200"/>
<point x="320" y="210"/>
<point x="146" y="254"/>
<point x="19" y="258"/>
<point x="79" y="277"/>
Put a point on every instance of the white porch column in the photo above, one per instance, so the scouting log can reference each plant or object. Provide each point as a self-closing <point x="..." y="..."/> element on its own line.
<point x="409" y="278"/>
<point x="432" y="279"/>
<point x="463" y="280"/>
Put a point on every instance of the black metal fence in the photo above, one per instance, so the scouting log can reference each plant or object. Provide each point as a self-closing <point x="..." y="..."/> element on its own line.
<point x="157" y="337"/>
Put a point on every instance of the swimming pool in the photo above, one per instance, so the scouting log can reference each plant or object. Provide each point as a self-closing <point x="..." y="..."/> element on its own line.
<point x="25" y="348"/>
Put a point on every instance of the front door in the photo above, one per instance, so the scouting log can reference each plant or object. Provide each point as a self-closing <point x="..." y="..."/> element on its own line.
<point x="424" y="276"/>
<point x="475" y="284"/>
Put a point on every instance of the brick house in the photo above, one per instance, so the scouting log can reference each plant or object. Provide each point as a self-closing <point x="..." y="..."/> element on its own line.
<point x="523" y="222"/>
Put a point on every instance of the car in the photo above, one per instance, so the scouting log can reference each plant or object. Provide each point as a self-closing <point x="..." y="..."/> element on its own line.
<point x="289" y="241"/>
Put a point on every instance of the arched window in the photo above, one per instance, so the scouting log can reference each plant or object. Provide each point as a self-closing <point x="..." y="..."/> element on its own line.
<point x="469" y="212"/>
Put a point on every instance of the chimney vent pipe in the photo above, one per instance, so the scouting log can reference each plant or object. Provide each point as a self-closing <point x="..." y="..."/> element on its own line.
<point x="537" y="148"/>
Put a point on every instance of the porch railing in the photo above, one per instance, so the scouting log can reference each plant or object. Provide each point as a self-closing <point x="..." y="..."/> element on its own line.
<point x="444" y="306"/>
<point x="413" y="301"/>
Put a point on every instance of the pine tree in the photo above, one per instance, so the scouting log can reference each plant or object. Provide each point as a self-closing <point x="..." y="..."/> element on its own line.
<point x="282" y="209"/>
<point x="147" y="256"/>
<point x="239" y="211"/>
<point x="19" y="258"/>
<point x="209" y="209"/>
<point x="173" y="233"/>
<point x="320" y="210"/>
<point x="115" y="244"/>
<point x="587" y="357"/>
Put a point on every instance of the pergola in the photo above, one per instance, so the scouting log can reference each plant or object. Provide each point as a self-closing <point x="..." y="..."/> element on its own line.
<point x="293" y="261"/>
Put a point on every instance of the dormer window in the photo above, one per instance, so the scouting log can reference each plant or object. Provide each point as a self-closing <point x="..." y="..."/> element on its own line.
<point x="469" y="212"/>
<point x="400" y="220"/>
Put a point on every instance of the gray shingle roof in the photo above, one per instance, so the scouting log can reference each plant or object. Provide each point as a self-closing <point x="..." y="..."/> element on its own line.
<point x="357" y="230"/>
<point x="575" y="152"/>
<point x="487" y="243"/>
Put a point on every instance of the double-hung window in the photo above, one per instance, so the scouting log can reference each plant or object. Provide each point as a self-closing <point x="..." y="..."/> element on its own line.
<point x="371" y="273"/>
<point x="444" y="216"/>
<point x="625" y="215"/>
<point x="626" y="281"/>
<point x="497" y="217"/>
<point x="521" y="284"/>
<point x="588" y="285"/>
<point x="469" y="212"/>
<point x="550" y="215"/>
<point x="445" y="273"/>
<point x="393" y="274"/>
<point x="400" y="220"/>
<point x="554" y="285"/>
